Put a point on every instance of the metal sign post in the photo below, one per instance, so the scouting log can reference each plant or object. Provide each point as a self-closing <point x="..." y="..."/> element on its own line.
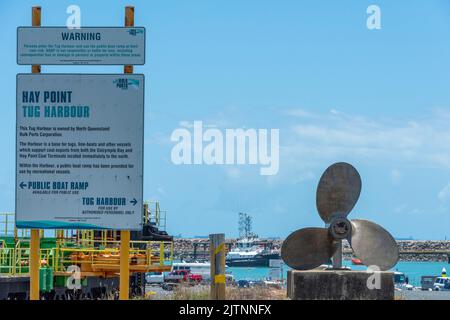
<point x="125" y="234"/>
<point x="34" y="236"/>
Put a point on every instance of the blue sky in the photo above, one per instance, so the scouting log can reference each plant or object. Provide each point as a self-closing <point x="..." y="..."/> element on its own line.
<point x="336" y="90"/>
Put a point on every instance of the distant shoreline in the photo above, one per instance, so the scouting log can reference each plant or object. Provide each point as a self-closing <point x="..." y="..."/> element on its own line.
<point x="410" y="250"/>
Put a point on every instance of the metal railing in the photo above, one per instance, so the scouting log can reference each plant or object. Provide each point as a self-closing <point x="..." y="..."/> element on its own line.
<point x="88" y="248"/>
<point x="144" y="255"/>
<point x="15" y="260"/>
<point x="154" y="215"/>
<point x="8" y="226"/>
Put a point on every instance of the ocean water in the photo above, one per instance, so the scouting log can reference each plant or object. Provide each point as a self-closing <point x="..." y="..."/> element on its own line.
<point x="413" y="270"/>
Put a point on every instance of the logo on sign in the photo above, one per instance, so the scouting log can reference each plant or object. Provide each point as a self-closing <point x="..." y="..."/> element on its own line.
<point x="134" y="32"/>
<point x="125" y="83"/>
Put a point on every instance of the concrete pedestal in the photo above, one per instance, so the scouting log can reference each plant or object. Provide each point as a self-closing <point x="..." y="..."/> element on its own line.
<point x="340" y="285"/>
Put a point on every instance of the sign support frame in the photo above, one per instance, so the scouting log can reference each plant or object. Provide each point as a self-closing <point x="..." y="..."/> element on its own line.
<point x="124" y="282"/>
<point x="34" y="233"/>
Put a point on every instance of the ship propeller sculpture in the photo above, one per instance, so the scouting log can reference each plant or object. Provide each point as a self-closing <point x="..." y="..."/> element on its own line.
<point x="337" y="193"/>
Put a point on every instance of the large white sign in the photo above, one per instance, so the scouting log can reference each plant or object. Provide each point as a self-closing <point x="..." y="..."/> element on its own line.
<point x="89" y="45"/>
<point x="79" y="146"/>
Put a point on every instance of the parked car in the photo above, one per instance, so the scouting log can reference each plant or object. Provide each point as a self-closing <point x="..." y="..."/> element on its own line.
<point x="183" y="276"/>
<point x="243" y="284"/>
<point x="154" y="277"/>
<point x="427" y="282"/>
<point x="440" y="283"/>
<point x="401" y="281"/>
<point x="447" y="286"/>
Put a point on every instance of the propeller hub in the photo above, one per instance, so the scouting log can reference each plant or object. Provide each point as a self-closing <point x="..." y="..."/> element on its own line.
<point x="340" y="228"/>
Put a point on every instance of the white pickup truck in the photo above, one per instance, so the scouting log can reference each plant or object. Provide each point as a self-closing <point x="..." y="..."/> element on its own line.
<point x="441" y="284"/>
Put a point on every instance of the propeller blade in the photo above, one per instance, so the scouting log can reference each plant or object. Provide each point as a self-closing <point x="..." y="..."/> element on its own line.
<point x="308" y="248"/>
<point x="373" y="244"/>
<point x="338" y="191"/>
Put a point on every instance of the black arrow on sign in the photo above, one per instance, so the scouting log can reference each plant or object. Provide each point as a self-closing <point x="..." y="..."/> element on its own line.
<point x="134" y="201"/>
<point x="22" y="185"/>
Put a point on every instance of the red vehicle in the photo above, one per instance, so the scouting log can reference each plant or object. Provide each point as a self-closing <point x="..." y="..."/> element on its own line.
<point x="357" y="262"/>
<point x="183" y="276"/>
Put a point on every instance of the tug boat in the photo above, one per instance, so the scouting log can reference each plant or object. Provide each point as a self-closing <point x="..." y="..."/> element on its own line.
<point x="248" y="254"/>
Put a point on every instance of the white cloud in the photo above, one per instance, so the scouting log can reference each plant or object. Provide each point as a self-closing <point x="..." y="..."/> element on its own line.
<point x="444" y="194"/>
<point x="294" y="173"/>
<point x="186" y="124"/>
<point x="396" y="176"/>
<point x="300" y="113"/>
<point x="422" y="141"/>
<point x="233" y="172"/>
<point x="400" y="208"/>
<point x="334" y="111"/>
<point x="417" y="211"/>
<point x="159" y="138"/>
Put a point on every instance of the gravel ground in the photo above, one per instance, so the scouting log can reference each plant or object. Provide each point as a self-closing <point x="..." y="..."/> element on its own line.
<point x="422" y="295"/>
<point x="157" y="293"/>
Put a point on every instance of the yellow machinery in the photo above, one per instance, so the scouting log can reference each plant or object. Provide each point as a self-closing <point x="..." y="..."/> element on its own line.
<point x="95" y="253"/>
